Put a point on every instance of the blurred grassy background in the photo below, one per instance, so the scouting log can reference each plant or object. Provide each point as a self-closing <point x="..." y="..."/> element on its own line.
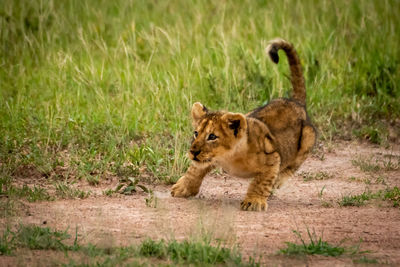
<point x="96" y="88"/>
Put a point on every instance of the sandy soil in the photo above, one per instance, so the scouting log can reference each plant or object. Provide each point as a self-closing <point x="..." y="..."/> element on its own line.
<point x="125" y="220"/>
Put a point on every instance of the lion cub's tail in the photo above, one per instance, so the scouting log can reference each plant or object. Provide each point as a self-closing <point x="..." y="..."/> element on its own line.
<point x="296" y="73"/>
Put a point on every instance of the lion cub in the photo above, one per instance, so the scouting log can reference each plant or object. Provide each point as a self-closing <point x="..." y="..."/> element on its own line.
<point x="269" y="143"/>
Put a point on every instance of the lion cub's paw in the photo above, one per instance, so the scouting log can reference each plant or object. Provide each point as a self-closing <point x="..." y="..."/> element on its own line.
<point x="182" y="188"/>
<point x="254" y="204"/>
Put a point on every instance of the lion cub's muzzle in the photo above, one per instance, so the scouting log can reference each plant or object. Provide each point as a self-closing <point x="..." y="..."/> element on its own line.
<point x="194" y="154"/>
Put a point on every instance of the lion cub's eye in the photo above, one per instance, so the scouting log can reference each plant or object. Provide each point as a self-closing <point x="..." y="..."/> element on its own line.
<point x="212" y="137"/>
<point x="195" y="134"/>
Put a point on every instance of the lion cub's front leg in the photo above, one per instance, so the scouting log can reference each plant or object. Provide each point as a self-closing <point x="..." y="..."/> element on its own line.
<point x="261" y="187"/>
<point x="189" y="184"/>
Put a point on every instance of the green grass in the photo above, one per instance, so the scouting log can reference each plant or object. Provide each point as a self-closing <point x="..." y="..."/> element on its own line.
<point x="199" y="253"/>
<point x="366" y="164"/>
<point x="316" y="246"/>
<point x="106" y="87"/>
<point x="365" y="260"/>
<point x="370" y="164"/>
<point x="66" y="191"/>
<point x="37" y="193"/>
<point x="42" y="238"/>
<point x="7" y="242"/>
<point x="389" y="194"/>
<point x="32" y="194"/>
<point x="129" y="186"/>
<point x="358" y="200"/>
<point x="35" y="238"/>
<point x="393" y="195"/>
<point x="192" y="253"/>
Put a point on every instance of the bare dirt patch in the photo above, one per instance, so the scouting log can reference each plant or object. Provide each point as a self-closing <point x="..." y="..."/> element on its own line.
<point x="309" y="200"/>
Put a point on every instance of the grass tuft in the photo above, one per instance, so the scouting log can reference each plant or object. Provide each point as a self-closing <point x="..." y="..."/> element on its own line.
<point x="35" y="237"/>
<point x="185" y="253"/>
<point x="315" y="246"/>
<point x="366" y="165"/>
<point x="365" y="260"/>
<point x="388" y="163"/>
<point x="32" y="194"/>
<point x="7" y="242"/>
<point x="358" y="200"/>
<point x="192" y="253"/>
<point x="392" y="194"/>
<point x="151" y="248"/>
<point x="389" y="194"/>
<point x="65" y="190"/>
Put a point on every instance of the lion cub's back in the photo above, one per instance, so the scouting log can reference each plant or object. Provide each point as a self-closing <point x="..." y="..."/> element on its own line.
<point x="284" y="119"/>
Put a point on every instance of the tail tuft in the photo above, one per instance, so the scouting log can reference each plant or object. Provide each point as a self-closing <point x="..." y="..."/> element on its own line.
<point x="273" y="54"/>
<point x="296" y="73"/>
<point x="272" y="49"/>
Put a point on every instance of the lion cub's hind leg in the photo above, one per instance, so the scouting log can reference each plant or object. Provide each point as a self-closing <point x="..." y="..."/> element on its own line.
<point x="308" y="137"/>
<point x="307" y="142"/>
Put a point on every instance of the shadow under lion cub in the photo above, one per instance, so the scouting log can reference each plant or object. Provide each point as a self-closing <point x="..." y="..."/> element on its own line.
<point x="269" y="143"/>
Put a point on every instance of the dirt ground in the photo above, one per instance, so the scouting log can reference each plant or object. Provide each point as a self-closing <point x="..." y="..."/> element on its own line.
<point x="298" y="205"/>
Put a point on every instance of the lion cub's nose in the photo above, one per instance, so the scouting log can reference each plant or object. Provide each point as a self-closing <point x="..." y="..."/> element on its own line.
<point x="195" y="153"/>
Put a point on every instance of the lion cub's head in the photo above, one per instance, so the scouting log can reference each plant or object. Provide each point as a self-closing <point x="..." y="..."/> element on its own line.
<point x="215" y="133"/>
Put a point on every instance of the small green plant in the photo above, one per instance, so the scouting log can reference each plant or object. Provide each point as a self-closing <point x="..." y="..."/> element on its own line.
<point x="108" y="192"/>
<point x="366" y="165"/>
<point x="193" y="253"/>
<point x="32" y="194"/>
<point x="93" y="180"/>
<point x="308" y="176"/>
<point x="326" y="204"/>
<point x="151" y="200"/>
<point x="7" y="242"/>
<point x="353" y="178"/>
<point x="365" y="260"/>
<point x="358" y="200"/>
<point x="151" y="248"/>
<point x="388" y="163"/>
<point x="35" y="237"/>
<point x="129" y="186"/>
<point x="315" y="246"/>
<point x="367" y="181"/>
<point x="35" y="194"/>
<point x="391" y="164"/>
<point x="65" y="190"/>
<point x="9" y="207"/>
<point x="373" y="133"/>
<point x="380" y="180"/>
<point x="392" y="195"/>
<point x="320" y="193"/>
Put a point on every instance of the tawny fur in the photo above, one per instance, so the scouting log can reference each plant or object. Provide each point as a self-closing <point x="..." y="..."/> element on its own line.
<point x="268" y="144"/>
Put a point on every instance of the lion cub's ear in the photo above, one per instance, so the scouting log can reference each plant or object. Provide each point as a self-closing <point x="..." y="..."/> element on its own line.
<point x="235" y="122"/>
<point x="198" y="111"/>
